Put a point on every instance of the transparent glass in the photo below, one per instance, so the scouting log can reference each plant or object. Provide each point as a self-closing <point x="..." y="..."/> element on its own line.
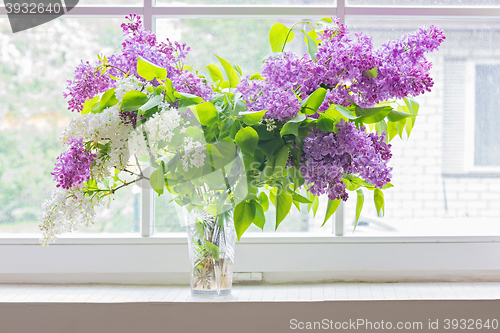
<point x="169" y="219"/>
<point x="34" y="67"/>
<point x="168" y="215"/>
<point x="402" y="3"/>
<point x="212" y="242"/>
<point x="438" y="188"/>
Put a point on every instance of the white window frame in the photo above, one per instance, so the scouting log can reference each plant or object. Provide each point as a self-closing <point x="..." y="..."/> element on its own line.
<point x="470" y="119"/>
<point x="149" y="258"/>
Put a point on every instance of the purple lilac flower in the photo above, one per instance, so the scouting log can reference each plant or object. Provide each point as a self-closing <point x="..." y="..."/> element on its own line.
<point x="142" y="43"/>
<point x="73" y="166"/>
<point x="327" y="156"/>
<point x="340" y="66"/>
<point x="138" y="43"/>
<point x="129" y="117"/>
<point x="402" y="68"/>
<point x="87" y="83"/>
<point x="345" y="59"/>
<point x="192" y="84"/>
<point x="284" y="77"/>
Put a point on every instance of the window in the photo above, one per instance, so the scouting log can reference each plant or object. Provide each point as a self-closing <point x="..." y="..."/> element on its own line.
<point x="437" y="222"/>
<point x="486" y="117"/>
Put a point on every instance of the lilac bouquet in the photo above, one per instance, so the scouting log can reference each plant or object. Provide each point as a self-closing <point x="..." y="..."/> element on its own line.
<point x="305" y="126"/>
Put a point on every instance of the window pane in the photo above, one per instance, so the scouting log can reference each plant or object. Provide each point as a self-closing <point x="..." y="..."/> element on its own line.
<point x="243" y="42"/>
<point x="240" y="41"/>
<point x="169" y="218"/>
<point x="487" y="117"/>
<point x="34" y="67"/>
<point x="401" y="3"/>
<point x="436" y="190"/>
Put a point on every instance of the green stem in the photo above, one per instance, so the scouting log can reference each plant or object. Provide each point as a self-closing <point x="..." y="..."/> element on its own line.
<point x="290" y="30"/>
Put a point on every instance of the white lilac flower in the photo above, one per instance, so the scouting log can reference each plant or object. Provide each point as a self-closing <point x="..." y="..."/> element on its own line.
<point x="102" y="127"/>
<point x="194" y="155"/>
<point x="137" y="143"/>
<point x="67" y="209"/>
<point x="125" y="84"/>
<point x="161" y="125"/>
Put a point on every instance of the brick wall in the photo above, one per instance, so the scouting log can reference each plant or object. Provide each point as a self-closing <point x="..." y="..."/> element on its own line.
<point x="421" y="190"/>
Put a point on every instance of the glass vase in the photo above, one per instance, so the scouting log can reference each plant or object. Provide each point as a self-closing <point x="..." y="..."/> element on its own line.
<point x="211" y="241"/>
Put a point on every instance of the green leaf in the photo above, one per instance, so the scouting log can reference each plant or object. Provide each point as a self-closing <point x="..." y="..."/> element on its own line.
<point x="350" y="183"/>
<point x="312" y="47"/>
<point x="298" y="118"/>
<point x="327" y="19"/>
<point x="378" y="198"/>
<point x="237" y="69"/>
<point x="279" y="35"/>
<point x="231" y="73"/>
<point x="314" y="36"/>
<point x="283" y="204"/>
<point x="297" y="205"/>
<point x="401" y="127"/>
<point x="325" y="124"/>
<point x="260" y="218"/>
<point x="313" y="102"/>
<point x="395" y="116"/>
<point x="264" y="201"/>
<point x="157" y="179"/>
<point x="343" y="111"/>
<point x="359" y="205"/>
<point x="89" y="104"/>
<point x="311" y="198"/>
<point x="256" y="76"/>
<point x="244" y="214"/>
<point x="280" y="162"/>
<point x="331" y="208"/>
<point x="392" y="130"/>
<point x="213" y="250"/>
<point x="252" y="117"/>
<point x="381" y="127"/>
<point x="169" y="91"/>
<point x="376" y="117"/>
<point x="108" y="99"/>
<point x="215" y="73"/>
<point x="239" y="107"/>
<point x="154" y="101"/>
<point x="272" y="196"/>
<point x="299" y="198"/>
<point x="187" y="99"/>
<point x="388" y="185"/>
<point x="290" y="128"/>
<point x="206" y="113"/>
<point x="372" y="72"/>
<point x="247" y="139"/>
<point x="412" y="107"/>
<point x="315" y="205"/>
<point x="133" y="100"/>
<point x="150" y="71"/>
<point x="368" y="112"/>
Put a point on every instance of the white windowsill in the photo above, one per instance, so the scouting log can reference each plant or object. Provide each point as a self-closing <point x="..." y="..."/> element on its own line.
<point x="253" y="238"/>
<point x="26" y="293"/>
